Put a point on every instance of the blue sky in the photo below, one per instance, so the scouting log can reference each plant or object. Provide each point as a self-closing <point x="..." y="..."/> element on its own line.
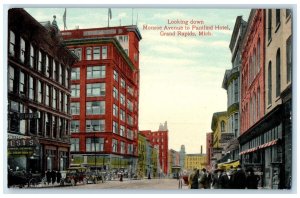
<point x="181" y="77"/>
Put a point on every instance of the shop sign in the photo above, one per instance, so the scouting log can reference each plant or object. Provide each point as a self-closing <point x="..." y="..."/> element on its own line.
<point x="20" y="151"/>
<point x="22" y="142"/>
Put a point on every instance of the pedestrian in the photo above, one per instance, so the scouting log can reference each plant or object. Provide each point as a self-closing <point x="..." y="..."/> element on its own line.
<point x="203" y="179"/>
<point x="191" y="176"/>
<point x="195" y="182"/>
<point x="53" y="176"/>
<point x="121" y="177"/>
<point x="252" y="179"/>
<point x="48" y="176"/>
<point x="239" y="181"/>
<point x="58" y="176"/>
<point x="216" y="179"/>
<point x="224" y="180"/>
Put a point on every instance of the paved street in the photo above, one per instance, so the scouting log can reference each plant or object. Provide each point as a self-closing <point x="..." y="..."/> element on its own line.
<point x="152" y="184"/>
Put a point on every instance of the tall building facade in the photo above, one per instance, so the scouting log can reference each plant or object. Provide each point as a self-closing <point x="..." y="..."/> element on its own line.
<point x="231" y="83"/>
<point x="39" y="68"/>
<point x="105" y="96"/>
<point x="278" y="86"/>
<point x="182" y="156"/>
<point x="160" y="139"/>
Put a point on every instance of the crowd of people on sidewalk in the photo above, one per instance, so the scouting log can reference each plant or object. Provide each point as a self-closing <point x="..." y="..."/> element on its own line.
<point x="53" y="177"/>
<point x="222" y="179"/>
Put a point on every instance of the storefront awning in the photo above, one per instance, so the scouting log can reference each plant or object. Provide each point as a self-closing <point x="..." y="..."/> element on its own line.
<point x="265" y="145"/>
<point x="227" y="165"/>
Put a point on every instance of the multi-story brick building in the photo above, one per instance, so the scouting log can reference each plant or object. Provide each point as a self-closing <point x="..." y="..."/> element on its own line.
<point x="39" y="68"/>
<point x="160" y="139"/>
<point x="105" y="96"/>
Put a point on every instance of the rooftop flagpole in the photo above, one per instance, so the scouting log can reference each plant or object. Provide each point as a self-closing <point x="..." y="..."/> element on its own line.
<point x="65" y="19"/>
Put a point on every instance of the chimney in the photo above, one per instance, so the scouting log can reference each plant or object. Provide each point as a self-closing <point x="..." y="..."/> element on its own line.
<point x="201" y="150"/>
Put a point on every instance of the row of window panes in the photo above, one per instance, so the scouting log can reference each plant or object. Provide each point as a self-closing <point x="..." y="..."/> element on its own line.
<point x="93" y="72"/>
<point x="92" y="108"/>
<point x="123" y="83"/>
<point x="92" y="53"/>
<point x="92" y="90"/>
<point x="277" y="20"/>
<point x="39" y="60"/>
<point x="46" y="125"/>
<point x="26" y="85"/>
<point x="91" y="126"/>
<point x="233" y="92"/>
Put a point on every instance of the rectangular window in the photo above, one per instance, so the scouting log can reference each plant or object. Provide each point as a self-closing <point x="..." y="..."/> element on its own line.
<point x="47" y="68"/>
<point x="12" y="43"/>
<point x="95" y="89"/>
<point x="122" y="147"/>
<point x="130" y="149"/>
<point x="96" y="53"/>
<point x="94" y="72"/>
<point x="54" y="98"/>
<point x="116" y="76"/>
<point x="40" y="91"/>
<point x="54" y="126"/>
<point x="129" y="105"/>
<point x="32" y="57"/>
<point x="129" y="134"/>
<point x="66" y="103"/>
<point x="67" y="78"/>
<point x="114" y="145"/>
<point x="54" y="70"/>
<point x="75" y="126"/>
<point x="130" y="90"/>
<point x="22" y="50"/>
<point x="94" y="144"/>
<point x="122" y="99"/>
<point x="123" y="84"/>
<point x="269" y="24"/>
<point x="115" y="127"/>
<point x="75" y="75"/>
<point x="129" y="120"/>
<point x="47" y="98"/>
<point x="115" y="110"/>
<point x="75" y="91"/>
<point x="61" y="103"/>
<point x="122" y="130"/>
<point x="96" y="107"/>
<point x="74" y="144"/>
<point x="78" y="53"/>
<point x="48" y="124"/>
<point x="104" y="52"/>
<point x="22" y="84"/>
<point x="115" y="93"/>
<point x="122" y="115"/>
<point x="31" y="88"/>
<point x="40" y="61"/>
<point x="88" y="53"/>
<point x="75" y="108"/>
<point x="11" y="78"/>
<point x="236" y="90"/>
<point x="277" y="17"/>
<point x="95" y="125"/>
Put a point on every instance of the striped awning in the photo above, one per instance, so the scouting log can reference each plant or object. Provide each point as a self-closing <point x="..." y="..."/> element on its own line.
<point x="265" y="145"/>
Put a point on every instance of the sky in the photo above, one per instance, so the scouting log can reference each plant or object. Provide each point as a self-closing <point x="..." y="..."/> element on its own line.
<point x="180" y="77"/>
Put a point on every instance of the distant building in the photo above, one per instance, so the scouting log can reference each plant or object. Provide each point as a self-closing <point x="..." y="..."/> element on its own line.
<point x="174" y="163"/>
<point x="160" y="138"/>
<point x="220" y="136"/>
<point x="182" y="156"/>
<point x="209" y="148"/>
<point x="197" y="161"/>
<point x="39" y="68"/>
<point x="105" y="96"/>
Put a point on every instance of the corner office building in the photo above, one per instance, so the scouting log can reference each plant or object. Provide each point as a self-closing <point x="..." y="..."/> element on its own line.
<point x="38" y="95"/>
<point x="105" y="96"/>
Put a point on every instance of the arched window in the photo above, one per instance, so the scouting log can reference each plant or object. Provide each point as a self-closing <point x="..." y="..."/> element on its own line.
<point x="258" y="55"/>
<point x="269" y="24"/>
<point x="270" y="83"/>
<point x="222" y="126"/>
<point x="277" y="17"/>
<point x="278" y="64"/>
<point x="289" y="60"/>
